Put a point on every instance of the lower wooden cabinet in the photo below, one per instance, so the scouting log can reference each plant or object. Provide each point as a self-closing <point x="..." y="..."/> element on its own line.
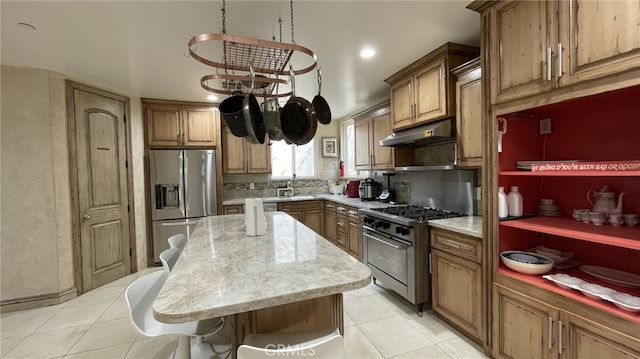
<point x="349" y="230"/>
<point x="525" y="327"/>
<point x="330" y="218"/>
<point x="233" y="209"/>
<point x="311" y="213"/>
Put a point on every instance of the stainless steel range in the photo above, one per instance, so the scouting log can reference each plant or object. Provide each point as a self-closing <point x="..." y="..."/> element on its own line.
<point x="396" y="248"/>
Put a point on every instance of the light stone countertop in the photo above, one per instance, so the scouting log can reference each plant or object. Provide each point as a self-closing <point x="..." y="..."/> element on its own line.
<point x="471" y="226"/>
<point x="222" y="271"/>
<point x="354" y="202"/>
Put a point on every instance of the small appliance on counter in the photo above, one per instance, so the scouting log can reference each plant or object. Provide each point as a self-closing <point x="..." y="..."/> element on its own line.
<point x="353" y="189"/>
<point x="387" y="195"/>
<point x="369" y="189"/>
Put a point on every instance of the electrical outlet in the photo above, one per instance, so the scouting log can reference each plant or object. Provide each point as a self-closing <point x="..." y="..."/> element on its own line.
<point x="252" y="185"/>
<point x="545" y="126"/>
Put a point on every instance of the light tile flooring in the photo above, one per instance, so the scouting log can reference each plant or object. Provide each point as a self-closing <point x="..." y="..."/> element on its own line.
<point x="378" y="324"/>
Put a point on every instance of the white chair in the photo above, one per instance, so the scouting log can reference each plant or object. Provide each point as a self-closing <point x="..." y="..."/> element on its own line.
<point x="177" y="241"/>
<point x="140" y="296"/>
<point x="169" y="257"/>
<point x="309" y="344"/>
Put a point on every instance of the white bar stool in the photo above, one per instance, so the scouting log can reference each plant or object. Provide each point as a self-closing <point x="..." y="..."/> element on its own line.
<point x="327" y="344"/>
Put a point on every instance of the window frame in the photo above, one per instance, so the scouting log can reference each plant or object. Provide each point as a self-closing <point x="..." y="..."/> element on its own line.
<point x="294" y="174"/>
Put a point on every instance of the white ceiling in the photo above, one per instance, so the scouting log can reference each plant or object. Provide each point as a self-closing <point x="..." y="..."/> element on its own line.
<point x="137" y="48"/>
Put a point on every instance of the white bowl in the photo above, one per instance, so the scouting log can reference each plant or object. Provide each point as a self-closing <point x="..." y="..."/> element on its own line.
<point x="527" y="262"/>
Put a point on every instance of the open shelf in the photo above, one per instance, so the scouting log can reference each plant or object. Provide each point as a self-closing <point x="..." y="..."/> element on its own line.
<point x="572" y="173"/>
<point x="538" y="281"/>
<point x="624" y="237"/>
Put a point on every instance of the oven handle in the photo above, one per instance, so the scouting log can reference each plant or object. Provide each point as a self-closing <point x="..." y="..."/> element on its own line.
<point x="395" y="246"/>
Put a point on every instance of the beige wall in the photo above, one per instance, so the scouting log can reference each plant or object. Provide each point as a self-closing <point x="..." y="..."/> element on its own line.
<point x="35" y="236"/>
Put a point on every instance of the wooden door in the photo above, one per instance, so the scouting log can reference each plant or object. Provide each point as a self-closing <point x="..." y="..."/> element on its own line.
<point x="258" y="157"/>
<point x="164" y="126"/>
<point x="102" y="188"/>
<point x="382" y="156"/>
<point x="583" y="338"/>
<point x="599" y="38"/>
<point x="402" y="103"/>
<point x="362" y="136"/>
<point x="457" y="291"/>
<point x="431" y="92"/>
<point x="200" y="127"/>
<point x="521" y="326"/>
<point x="521" y="36"/>
<point x="234" y="155"/>
<point x="469" y="119"/>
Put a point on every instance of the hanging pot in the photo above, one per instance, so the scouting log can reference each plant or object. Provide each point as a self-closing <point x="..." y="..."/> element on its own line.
<point x="271" y="114"/>
<point x="253" y="120"/>
<point x="298" y="118"/>
<point x="320" y="105"/>
<point x="231" y="110"/>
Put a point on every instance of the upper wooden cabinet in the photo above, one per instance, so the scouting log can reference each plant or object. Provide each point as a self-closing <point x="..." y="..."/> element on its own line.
<point x="240" y="156"/>
<point x="537" y="46"/>
<point x="469" y="114"/>
<point x="176" y="124"/>
<point x="423" y="91"/>
<point x="372" y="125"/>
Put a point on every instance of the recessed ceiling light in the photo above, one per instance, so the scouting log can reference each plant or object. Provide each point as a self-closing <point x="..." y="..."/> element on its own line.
<point x="367" y="53"/>
<point x="212" y="98"/>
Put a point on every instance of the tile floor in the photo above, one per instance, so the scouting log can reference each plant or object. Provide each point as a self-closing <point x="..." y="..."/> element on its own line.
<point x="378" y="324"/>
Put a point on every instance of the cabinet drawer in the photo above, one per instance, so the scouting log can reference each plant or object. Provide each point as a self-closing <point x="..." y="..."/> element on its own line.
<point x="330" y="206"/>
<point x="457" y="244"/>
<point x="300" y="206"/>
<point x="233" y="209"/>
<point x="353" y="213"/>
<point x="342" y="223"/>
<point x="341" y="209"/>
<point x="341" y="240"/>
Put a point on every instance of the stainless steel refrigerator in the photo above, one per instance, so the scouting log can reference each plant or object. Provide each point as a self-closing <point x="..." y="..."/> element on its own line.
<point x="183" y="190"/>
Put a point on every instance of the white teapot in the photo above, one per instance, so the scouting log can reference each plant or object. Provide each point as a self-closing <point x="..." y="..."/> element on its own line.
<point x="605" y="201"/>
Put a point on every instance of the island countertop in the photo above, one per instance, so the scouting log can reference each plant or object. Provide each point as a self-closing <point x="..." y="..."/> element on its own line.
<point x="222" y="271"/>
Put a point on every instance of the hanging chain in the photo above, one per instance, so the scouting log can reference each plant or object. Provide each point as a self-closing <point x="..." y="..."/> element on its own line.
<point x="280" y="21"/>
<point x="224" y="31"/>
<point x="292" y="38"/>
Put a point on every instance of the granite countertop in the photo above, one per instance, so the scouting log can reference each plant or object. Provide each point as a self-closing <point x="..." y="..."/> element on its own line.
<point x="471" y="226"/>
<point x="222" y="271"/>
<point x="354" y="202"/>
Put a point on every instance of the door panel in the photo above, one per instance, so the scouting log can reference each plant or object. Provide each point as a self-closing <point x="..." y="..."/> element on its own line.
<point x="200" y="183"/>
<point x="199" y="127"/>
<point x="165" y="168"/>
<point x="431" y="96"/>
<point x="164" y="128"/>
<point x="102" y="188"/>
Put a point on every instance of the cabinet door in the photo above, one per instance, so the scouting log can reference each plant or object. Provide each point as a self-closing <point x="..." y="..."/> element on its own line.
<point x="586" y="339"/>
<point x="522" y="33"/>
<point x="599" y="38"/>
<point x="362" y="145"/>
<point x="355" y="238"/>
<point x="382" y="156"/>
<point x="342" y="240"/>
<point x="330" y="226"/>
<point x="200" y="127"/>
<point x="313" y="220"/>
<point x="469" y="119"/>
<point x="258" y="157"/>
<point x="402" y="103"/>
<point x="163" y="126"/>
<point x="457" y="291"/>
<point x="233" y="209"/>
<point x="430" y="92"/>
<point x="234" y="156"/>
<point x="523" y="327"/>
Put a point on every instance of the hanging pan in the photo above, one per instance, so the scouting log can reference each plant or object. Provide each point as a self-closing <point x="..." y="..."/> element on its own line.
<point x="298" y="118"/>
<point x="233" y="114"/>
<point x="320" y="105"/>
<point x="271" y="114"/>
<point x="253" y="120"/>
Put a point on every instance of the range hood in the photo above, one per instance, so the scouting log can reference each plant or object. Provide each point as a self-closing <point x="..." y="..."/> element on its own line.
<point x="425" y="135"/>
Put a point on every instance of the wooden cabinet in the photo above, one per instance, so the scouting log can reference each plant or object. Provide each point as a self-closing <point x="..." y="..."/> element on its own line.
<point x="175" y="124"/>
<point x="537" y="46"/>
<point x="240" y="156"/>
<point x="469" y="114"/>
<point x="233" y="209"/>
<point x="330" y="218"/>
<point x="528" y="328"/>
<point x="349" y="230"/>
<point x="310" y="213"/>
<point x="423" y="91"/>
<point x="371" y="126"/>
<point x="458" y="292"/>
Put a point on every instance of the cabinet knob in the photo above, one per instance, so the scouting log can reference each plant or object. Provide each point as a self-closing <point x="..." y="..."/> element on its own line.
<point x="86" y="217"/>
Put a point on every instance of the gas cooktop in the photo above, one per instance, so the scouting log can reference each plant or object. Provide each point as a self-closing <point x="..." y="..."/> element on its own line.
<point x="419" y="213"/>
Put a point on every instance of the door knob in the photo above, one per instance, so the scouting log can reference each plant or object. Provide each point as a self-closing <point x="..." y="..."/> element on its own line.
<point x="86" y="217"/>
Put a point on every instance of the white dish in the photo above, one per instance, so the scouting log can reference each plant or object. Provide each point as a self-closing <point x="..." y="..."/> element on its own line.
<point x="564" y="280"/>
<point x="626" y="302"/>
<point x="557" y="256"/>
<point x="550" y="208"/>
<point x="595" y="291"/>
<point x="526" y="262"/>
<point x="612" y="275"/>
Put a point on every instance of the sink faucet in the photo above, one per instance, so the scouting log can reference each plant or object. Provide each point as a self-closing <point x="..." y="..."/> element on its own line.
<point x="290" y="184"/>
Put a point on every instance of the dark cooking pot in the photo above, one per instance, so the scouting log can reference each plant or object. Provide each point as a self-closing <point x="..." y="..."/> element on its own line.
<point x="253" y="120"/>
<point x="231" y="110"/>
<point x="323" y="111"/>
<point x="298" y="118"/>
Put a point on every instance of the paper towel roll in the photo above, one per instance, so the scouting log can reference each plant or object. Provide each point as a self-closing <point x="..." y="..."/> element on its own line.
<point x="255" y="221"/>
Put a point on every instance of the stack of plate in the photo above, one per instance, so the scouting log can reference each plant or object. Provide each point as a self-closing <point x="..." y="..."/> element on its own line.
<point x="551" y="210"/>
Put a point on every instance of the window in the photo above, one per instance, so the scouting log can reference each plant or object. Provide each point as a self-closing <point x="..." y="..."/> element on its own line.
<point x="287" y="160"/>
<point x="348" y="141"/>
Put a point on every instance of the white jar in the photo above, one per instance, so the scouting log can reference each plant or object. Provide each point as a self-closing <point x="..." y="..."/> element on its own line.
<point x="515" y="202"/>
<point x="503" y="206"/>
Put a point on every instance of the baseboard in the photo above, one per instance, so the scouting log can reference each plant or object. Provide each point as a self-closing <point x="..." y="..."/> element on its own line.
<point x="38" y="301"/>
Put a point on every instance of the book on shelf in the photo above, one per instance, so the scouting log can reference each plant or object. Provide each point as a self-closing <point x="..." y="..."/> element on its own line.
<point x="629" y="165"/>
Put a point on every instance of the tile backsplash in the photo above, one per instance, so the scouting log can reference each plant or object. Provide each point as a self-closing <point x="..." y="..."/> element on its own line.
<point x="239" y="186"/>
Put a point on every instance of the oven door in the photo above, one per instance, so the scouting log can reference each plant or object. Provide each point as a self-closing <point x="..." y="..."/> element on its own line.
<point x="387" y="255"/>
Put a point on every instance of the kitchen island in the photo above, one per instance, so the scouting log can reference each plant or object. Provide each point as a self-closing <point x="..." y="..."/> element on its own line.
<point x="289" y="279"/>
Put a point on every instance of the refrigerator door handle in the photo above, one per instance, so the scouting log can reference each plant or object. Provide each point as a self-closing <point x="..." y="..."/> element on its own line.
<point x="183" y="193"/>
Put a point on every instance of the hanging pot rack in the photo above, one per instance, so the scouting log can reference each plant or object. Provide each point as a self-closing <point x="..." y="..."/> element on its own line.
<point x="268" y="58"/>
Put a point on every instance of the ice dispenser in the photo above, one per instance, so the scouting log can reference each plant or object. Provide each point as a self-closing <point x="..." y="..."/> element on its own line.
<point x="167" y="196"/>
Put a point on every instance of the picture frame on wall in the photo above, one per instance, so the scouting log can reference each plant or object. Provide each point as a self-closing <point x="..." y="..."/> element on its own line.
<point x="329" y="147"/>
